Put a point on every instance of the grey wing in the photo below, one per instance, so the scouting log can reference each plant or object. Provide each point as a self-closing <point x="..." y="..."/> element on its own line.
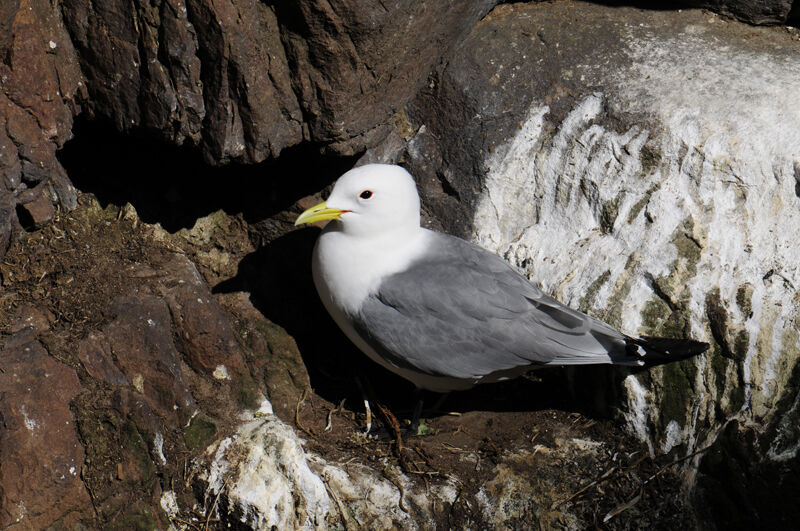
<point x="463" y="312"/>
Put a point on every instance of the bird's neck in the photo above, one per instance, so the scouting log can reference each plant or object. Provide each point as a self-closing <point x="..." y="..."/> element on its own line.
<point x="348" y="269"/>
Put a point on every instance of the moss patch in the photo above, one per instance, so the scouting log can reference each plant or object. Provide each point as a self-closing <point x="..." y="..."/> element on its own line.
<point x="249" y="393"/>
<point x="654" y="313"/>
<point x="618" y="300"/>
<point x="783" y="433"/>
<point x="744" y="299"/>
<point x="136" y="447"/>
<point x="637" y="208"/>
<point x="591" y="292"/>
<point x="199" y="433"/>
<point x="669" y="314"/>
<point x="650" y="158"/>
<point x="141" y="520"/>
<point x="677" y="381"/>
<point x="609" y="214"/>
<point x="719" y="322"/>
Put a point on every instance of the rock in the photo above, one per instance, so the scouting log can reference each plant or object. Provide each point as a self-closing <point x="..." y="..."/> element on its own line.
<point x="263" y="474"/>
<point x="202" y="80"/>
<point x="40" y="450"/>
<point x="274" y="359"/>
<point x="140" y="338"/>
<point x="355" y="63"/>
<point x="622" y="175"/>
<point x="41" y="88"/>
<point x="203" y="328"/>
<point x="34" y="208"/>
<point x="30" y="318"/>
<point x="758" y="12"/>
<point x="95" y="355"/>
<point x="8" y="221"/>
<point x="243" y="80"/>
<point x="193" y="71"/>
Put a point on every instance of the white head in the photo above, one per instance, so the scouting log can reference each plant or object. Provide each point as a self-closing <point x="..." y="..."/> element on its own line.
<point x="370" y="200"/>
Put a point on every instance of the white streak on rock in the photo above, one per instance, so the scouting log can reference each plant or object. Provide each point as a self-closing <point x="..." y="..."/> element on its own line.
<point x="169" y="503"/>
<point x="30" y="423"/>
<point x="673" y="436"/>
<point x="158" y="447"/>
<point x="638" y="409"/>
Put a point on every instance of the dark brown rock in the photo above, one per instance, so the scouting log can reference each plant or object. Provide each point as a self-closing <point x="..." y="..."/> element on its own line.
<point x="28" y="317"/>
<point x="95" y="354"/>
<point x="201" y="325"/>
<point x="274" y="357"/>
<point x="34" y="208"/>
<point x="354" y="63"/>
<point x="41" y="88"/>
<point x="214" y="72"/>
<point x="208" y="72"/>
<point x="8" y="220"/>
<point x="753" y="12"/>
<point x="140" y="339"/>
<point x="40" y="452"/>
<point x="241" y="79"/>
<point x="252" y="112"/>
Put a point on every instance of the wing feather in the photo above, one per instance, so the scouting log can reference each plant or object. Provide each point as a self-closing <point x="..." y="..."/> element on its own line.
<point x="461" y="311"/>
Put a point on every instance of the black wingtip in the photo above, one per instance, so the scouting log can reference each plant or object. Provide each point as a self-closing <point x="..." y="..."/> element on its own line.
<point x="651" y="351"/>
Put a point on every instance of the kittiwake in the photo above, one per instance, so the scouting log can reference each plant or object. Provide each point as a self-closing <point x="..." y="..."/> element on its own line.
<point x="443" y="312"/>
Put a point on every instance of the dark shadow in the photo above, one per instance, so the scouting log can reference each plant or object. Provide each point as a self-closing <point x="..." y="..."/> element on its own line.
<point x="640" y="4"/>
<point x="174" y="186"/>
<point x="731" y="9"/>
<point x="793" y="19"/>
<point x="278" y="277"/>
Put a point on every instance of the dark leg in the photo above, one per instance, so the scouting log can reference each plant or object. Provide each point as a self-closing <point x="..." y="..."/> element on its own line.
<point x="419" y="399"/>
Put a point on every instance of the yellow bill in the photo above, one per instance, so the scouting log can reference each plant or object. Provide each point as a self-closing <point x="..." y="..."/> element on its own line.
<point x="319" y="212"/>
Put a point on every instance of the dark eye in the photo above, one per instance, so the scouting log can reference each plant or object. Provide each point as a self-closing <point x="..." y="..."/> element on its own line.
<point x="366" y="194"/>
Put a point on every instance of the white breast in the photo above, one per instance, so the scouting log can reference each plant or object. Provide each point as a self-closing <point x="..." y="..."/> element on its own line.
<point x="347" y="269"/>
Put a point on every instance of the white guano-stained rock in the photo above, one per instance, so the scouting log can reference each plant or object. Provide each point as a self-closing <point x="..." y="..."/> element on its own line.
<point x="262" y="476"/>
<point x="691" y="208"/>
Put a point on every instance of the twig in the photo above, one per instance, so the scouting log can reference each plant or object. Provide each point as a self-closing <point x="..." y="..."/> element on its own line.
<point x="624" y="507"/>
<point x="398" y="437"/>
<point x="423" y="455"/>
<point x="583" y="489"/>
<point x="638" y="461"/>
<point x="214" y="505"/>
<point x="455" y="449"/>
<point x="675" y="462"/>
<point x="297" y="415"/>
<point x="396" y="482"/>
<point x="184" y="522"/>
<point x="91" y="493"/>
<point x="633" y="501"/>
<point x="337" y="409"/>
<point x="424" y="473"/>
<point x="335" y="497"/>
